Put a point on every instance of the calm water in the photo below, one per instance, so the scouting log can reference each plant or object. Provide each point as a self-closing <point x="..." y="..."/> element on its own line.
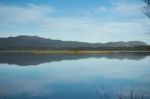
<point x="107" y="76"/>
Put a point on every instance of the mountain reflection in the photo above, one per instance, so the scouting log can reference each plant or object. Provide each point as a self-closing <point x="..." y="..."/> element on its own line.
<point x="24" y="59"/>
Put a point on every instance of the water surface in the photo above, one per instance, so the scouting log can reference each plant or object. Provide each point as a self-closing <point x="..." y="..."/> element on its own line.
<point x="105" y="76"/>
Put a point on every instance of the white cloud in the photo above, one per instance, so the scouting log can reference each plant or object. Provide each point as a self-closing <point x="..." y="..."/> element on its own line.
<point x="74" y="28"/>
<point x="37" y="15"/>
<point x="121" y="7"/>
<point x="129" y="9"/>
<point x="100" y="9"/>
<point x="41" y="15"/>
<point x="28" y="13"/>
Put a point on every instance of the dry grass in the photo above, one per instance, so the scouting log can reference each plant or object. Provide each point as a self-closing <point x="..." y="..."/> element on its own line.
<point x="65" y="52"/>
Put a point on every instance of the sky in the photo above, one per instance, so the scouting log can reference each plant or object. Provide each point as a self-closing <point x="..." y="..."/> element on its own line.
<point x="75" y="20"/>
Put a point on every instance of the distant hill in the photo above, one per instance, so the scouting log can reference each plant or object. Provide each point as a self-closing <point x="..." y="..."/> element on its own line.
<point x="38" y="42"/>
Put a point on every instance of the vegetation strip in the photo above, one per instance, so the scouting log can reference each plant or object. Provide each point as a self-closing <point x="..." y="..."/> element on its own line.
<point x="68" y="52"/>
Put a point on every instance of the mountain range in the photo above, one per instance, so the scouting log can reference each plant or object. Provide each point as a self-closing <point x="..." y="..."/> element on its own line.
<point x="39" y="42"/>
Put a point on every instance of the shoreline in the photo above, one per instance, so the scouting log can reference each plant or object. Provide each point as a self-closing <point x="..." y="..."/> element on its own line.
<point x="68" y="51"/>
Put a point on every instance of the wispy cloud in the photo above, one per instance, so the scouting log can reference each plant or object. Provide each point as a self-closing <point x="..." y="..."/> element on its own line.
<point x="43" y="18"/>
<point x="37" y="15"/>
<point x="100" y="9"/>
<point x="30" y="12"/>
<point x="121" y="7"/>
<point x="128" y="9"/>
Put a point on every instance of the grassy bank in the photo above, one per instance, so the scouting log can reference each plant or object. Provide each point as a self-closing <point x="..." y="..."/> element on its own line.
<point x="67" y="52"/>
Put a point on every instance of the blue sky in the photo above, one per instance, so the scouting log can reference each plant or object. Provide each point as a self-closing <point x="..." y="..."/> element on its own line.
<point x="75" y="20"/>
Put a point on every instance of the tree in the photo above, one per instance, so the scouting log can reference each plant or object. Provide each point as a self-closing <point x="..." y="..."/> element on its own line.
<point x="147" y="8"/>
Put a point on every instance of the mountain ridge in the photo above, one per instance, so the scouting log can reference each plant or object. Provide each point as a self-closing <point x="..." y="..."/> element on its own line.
<point x="35" y="41"/>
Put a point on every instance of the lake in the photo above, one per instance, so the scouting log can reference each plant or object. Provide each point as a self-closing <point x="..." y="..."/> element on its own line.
<point x="75" y="76"/>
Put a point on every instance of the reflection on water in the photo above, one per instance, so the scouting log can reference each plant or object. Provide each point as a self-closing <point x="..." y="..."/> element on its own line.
<point x="107" y="76"/>
<point x="35" y="59"/>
